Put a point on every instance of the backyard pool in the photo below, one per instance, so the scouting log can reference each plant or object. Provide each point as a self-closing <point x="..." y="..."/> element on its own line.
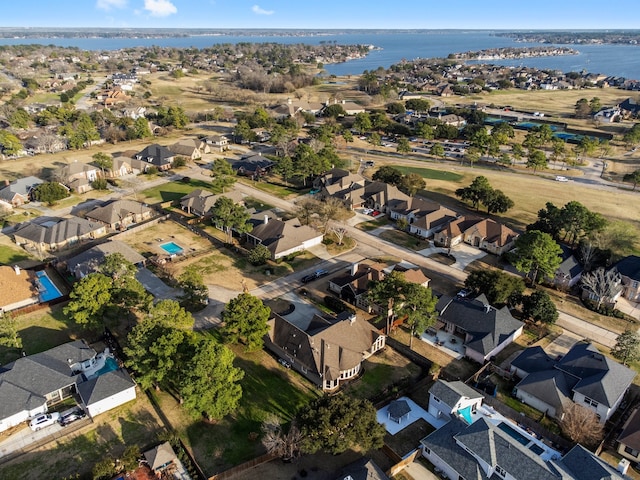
<point x="172" y="248"/>
<point x="110" y="364"/>
<point x="512" y="432"/>
<point x="48" y="291"/>
<point x="466" y="414"/>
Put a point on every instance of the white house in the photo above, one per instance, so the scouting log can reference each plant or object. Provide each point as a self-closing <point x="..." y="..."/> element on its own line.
<point x="107" y="391"/>
<point x="447" y="399"/>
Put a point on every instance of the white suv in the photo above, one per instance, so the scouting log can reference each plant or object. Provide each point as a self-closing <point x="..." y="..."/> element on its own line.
<point x="44" y="420"/>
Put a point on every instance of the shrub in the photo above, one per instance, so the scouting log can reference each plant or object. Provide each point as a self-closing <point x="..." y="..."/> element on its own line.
<point x="337" y="305"/>
<point x="99" y="184"/>
<point x="179" y="162"/>
<point x="259" y="255"/>
<point x="151" y="170"/>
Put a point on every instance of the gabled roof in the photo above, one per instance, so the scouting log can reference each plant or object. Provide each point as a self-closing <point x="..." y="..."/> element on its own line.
<point x="383" y="194"/>
<point x="452" y="392"/>
<point x="553" y="387"/>
<point x="488" y="326"/>
<point x="21" y="186"/>
<point x="629" y="267"/>
<point x="54" y="233"/>
<point x="492" y="232"/>
<point x="89" y="260"/>
<point x="600" y="378"/>
<point x="460" y="225"/>
<point x="114" y="211"/>
<point x="580" y="464"/>
<point x="202" y="200"/>
<point x="156" y="155"/>
<point x="16" y="399"/>
<point x="280" y="236"/>
<point x="570" y="267"/>
<point x="533" y="359"/>
<point x="630" y="435"/>
<point x="104" y="386"/>
<point x="160" y="456"/>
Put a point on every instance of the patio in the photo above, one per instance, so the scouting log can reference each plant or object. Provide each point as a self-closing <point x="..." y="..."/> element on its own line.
<point x="414" y="414"/>
<point x="446" y="342"/>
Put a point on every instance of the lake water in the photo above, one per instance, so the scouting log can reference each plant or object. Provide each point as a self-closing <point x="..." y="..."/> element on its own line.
<point x="616" y="60"/>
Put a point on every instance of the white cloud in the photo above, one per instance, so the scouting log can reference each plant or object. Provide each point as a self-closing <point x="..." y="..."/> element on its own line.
<point x="160" y="8"/>
<point x="109" y="4"/>
<point x="261" y="11"/>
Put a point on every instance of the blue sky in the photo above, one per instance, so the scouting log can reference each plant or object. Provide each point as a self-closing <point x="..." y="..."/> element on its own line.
<point x="309" y="14"/>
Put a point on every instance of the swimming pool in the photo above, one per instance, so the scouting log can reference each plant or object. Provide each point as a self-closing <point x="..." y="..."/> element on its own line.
<point x="172" y="248"/>
<point x="466" y="414"/>
<point x="512" y="432"/>
<point x="110" y="364"/>
<point x="48" y="291"/>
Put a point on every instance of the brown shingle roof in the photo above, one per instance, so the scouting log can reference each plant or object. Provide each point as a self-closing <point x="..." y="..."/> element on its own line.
<point x="15" y="288"/>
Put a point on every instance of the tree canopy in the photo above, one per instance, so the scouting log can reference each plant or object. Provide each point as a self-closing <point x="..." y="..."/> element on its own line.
<point x="627" y="347"/>
<point x="539" y="307"/>
<point x="227" y="215"/>
<point x="89" y="299"/>
<point x="245" y="320"/>
<point x="499" y="287"/>
<point x="50" y="192"/>
<point x="335" y="424"/>
<point x="537" y="254"/>
<point x="480" y="192"/>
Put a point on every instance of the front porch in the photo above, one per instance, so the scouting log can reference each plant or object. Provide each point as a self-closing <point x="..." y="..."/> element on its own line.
<point x="447" y="342"/>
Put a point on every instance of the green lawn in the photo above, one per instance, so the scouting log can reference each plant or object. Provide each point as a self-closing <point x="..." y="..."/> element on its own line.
<point x="173" y="191"/>
<point x="279" y="191"/>
<point x="430" y="173"/>
<point x="403" y="239"/>
<point x="10" y="255"/>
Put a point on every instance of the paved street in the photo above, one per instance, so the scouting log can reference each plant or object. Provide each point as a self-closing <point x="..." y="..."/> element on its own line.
<point x="587" y="330"/>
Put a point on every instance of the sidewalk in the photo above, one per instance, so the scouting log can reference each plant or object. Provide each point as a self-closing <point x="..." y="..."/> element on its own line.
<point x="587" y="330"/>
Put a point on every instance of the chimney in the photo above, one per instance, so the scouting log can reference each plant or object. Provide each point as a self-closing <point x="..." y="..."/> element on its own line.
<point x="354" y="269"/>
<point x="16" y="268"/>
<point x="266" y="219"/>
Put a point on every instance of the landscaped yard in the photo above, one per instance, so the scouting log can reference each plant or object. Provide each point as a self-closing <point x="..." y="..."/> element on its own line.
<point x="403" y="239"/>
<point x="268" y="388"/>
<point x="432" y="174"/>
<point x="11" y="253"/>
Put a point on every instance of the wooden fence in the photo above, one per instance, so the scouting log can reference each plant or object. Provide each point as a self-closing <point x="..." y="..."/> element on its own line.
<point x="267" y="457"/>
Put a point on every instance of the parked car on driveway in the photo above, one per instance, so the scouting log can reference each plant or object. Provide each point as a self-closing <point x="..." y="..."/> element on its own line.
<point x="44" y="420"/>
<point x="71" y="415"/>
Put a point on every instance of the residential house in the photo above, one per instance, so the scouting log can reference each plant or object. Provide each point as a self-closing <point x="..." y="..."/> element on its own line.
<point x="452" y="119"/>
<point x="283" y="238"/>
<point x="483" y="330"/>
<point x="113" y="96"/>
<point x="161" y="459"/>
<point x="18" y="288"/>
<point x="423" y="216"/>
<point x="120" y="214"/>
<point x="350" y="108"/>
<point x="199" y="202"/>
<point x="329" y="351"/>
<point x="608" y="115"/>
<point x="483" y="450"/>
<point x="583" y="376"/>
<point x="381" y="196"/>
<point x="157" y="156"/>
<point x="292" y="108"/>
<point x="354" y="285"/>
<point x="447" y="399"/>
<point x="491" y="236"/>
<point x="122" y="166"/>
<point x="134" y="112"/>
<point x="52" y="234"/>
<point x="19" y="191"/>
<point x="107" y="391"/>
<point x="190" y="148"/>
<point x="629" y="269"/>
<point x="253" y="166"/>
<point x="363" y="469"/>
<point x="629" y="439"/>
<point x="90" y="260"/>
<point x="453" y="233"/>
<point x="77" y="176"/>
<point x="340" y="184"/>
<point x="218" y="143"/>
<point x="31" y="384"/>
<point x="569" y="272"/>
<point x="630" y="108"/>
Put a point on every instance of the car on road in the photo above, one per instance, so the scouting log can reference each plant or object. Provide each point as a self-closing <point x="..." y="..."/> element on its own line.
<point x="284" y="363"/>
<point x="314" y="276"/>
<point x="71" y="415"/>
<point x="463" y="293"/>
<point x="561" y="178"/>
<point x="44" y="420"/>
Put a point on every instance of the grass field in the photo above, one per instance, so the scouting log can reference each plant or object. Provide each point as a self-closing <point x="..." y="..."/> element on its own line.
<point x="10" y="253"/>
<point x="173" y="191"/>
<point x="432" y="174"/>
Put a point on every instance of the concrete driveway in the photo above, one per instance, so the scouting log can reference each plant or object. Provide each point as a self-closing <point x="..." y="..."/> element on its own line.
<point x="463" y="253"/>
<point x="562" y="344"/>
<point x="211" y="316"/>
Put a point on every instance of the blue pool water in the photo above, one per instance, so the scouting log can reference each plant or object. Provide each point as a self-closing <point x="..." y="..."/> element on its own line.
<point x="172" y="248"/>
<point x="513" y="433"/>
<point x="110" y="364"/>
<point x="466" y="414"/>
<point x="48" y="291"/>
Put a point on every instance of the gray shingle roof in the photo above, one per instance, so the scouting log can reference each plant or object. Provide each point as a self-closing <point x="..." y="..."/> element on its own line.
<point x="629" y="267"/>
<point x="88" y="261"/>
<point x="22" y="186"/>
<point x="104" y="386"/>
<point x="580" y="464"/>
<point x="452" y="392"/>
<point x="630" y="435"/>
<point x="551" y="386"/>
<point x="280" y="236"/>
<point x="363" y="469"/>
<point x="15" y="399"/>
<point x="158" y="155"/>
<point x="60" y="232"/>
<point x="533" y="359"/>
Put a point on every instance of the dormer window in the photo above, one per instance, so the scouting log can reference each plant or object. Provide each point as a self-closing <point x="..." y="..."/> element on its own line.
<point x="501" y="471"/>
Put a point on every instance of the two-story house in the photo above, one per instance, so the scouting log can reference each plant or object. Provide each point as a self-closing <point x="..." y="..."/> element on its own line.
<point x="629" y="269"/>
<point x="424" y="217"/>
<point x="156" y="155"/>
<point x="78" y="176"/>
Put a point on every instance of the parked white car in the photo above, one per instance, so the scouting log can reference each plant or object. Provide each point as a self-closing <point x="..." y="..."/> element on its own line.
<point x="44" y="420"/>
<point x="560" y="178"/>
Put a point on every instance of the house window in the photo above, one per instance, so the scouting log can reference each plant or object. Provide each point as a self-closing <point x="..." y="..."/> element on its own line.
<point x="631" y="451"/>
<point x="590" y="402"/>
<point x="436" y="399"/>
<point x="427" y="451"/>
<point x="501" y="471"/>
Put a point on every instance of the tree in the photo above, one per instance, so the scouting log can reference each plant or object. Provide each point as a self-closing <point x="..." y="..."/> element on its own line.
<point x="126" y="290"/>
<point x="582" y="108"/>
<point x="50" y="192"/>
<point x="437" y="150"/>
<point x="170" y="312"/>
<point x="388" y="174"/>
<point x="100" y="184"/>
<point x="582" y="425"/>
<point x="259" y="255"/>
<point x="152" y="351"/>
<point x="340" y="232"/>
<point x="245" y="320"/>
<point x="284" y="167"/>
<point x="102" y="161"/>
<point x="627" y="347"/>
<point x="362" y="122"/>
<point x="539" y="307"/>
<point x="387" y="292"/>
<point x="84" y="132"/>
<point x="417" y="104"/>
<point x="9" y="336"/>
<point x="277" y="442"/>
<point x="477" y="192"/>
<point x="419" y="307"/>
<point x="500" y="288"/>
<point x="602" y="285"/>
<point x="536" y="254"/>
<point x="412" y="184"/>
<point x="141" y="128"/>
<point x="9" y="143"/>
<point x="89" y="299"/>
<point x="335" y="424"/>
<point x="196" y="293"/>
<point x="633" y="177"/>
<point x="228" y="216"/>
<point x="403" y="145"/>
<point x="498" y="202"/>
<point x="208" y="382"/>
<point x="334" y="110"/>
<point x="537" y="159"/>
